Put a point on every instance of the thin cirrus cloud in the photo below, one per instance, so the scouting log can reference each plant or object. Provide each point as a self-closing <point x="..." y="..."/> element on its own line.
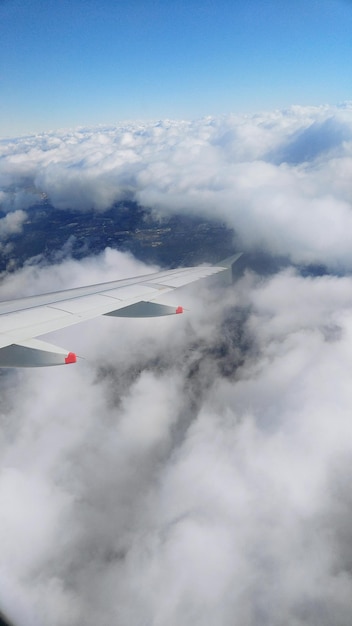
<point x="281" y="179"/>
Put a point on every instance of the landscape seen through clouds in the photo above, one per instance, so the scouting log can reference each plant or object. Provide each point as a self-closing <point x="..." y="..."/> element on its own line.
<point x="193" y="469"/>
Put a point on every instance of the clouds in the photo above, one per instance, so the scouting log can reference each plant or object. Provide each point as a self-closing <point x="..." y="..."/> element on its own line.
<point x="280" y="179"/>
<point x="191" y="468"/>
<point x="12" y="223"/>
<point x="312" y="142"/>
<point x="194" y="468"/>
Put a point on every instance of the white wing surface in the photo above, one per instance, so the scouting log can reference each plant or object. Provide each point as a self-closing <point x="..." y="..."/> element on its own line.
<point x="22" y="320"/>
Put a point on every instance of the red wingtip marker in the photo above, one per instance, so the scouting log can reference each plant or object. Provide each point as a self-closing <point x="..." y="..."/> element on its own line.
<point x="179" y="309"/>
<point x="71" y="358"/>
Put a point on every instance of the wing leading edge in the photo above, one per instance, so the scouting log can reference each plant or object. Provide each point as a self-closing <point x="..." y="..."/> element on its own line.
<point x="24" y="319"/>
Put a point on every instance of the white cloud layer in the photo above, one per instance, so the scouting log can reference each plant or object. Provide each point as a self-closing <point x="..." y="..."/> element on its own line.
<point x="194" y="469"/>
<point x="191" y="470"/>
<point x="281" y="179"/>
<point x="12" y="223"/>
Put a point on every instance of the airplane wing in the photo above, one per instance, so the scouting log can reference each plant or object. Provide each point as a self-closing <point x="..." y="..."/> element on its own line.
<point x="24" y="319"/>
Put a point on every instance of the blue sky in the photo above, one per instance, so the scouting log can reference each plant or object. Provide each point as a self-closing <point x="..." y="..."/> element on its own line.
<point x="85" y="62"/>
